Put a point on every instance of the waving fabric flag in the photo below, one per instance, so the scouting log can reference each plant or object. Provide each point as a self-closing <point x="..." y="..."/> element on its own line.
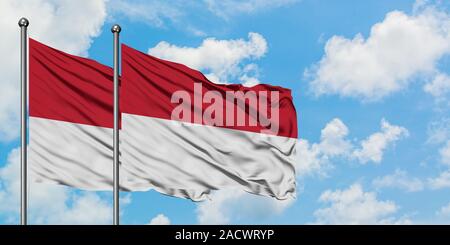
<point x="71" y="119"/>
<point x="183" y="135"/>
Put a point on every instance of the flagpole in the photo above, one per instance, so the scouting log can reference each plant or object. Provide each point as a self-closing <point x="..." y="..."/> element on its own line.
<point x="23" y="23"/>
<point x="116" y="30"/>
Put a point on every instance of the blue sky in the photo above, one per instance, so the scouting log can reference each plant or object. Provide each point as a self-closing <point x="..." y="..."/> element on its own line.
<point x="370" y="81"/>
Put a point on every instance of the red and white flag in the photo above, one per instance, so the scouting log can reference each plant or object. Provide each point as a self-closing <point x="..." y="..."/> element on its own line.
<point x="184" y="136"/>
<point x="71" y="119"/>
<point x="180" y="134"/>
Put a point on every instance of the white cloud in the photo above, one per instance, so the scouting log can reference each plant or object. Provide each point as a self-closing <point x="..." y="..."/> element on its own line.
<point x="310" y="160"/>
<point x="439" y="86"/>
<point x="66" y="25"/>
<point x="441" y="181"/>
<point x="399" y="179"/>
<point x="87" y="208"/>
<point x="444" y="211"/>
<point x="373" y="147"/>
<point x="314" y="158"/>
<point x="397" y="49"/>
<point x="160" y="219"/>
<point x="333" y="140"/>
<point x="49" y="204"/>
<point x="228" y="8"/>
<point x="250" y="75"/>
<point x="354" y="206"/>
<point x="219" y="68"/>
<point x="229" y="206"/>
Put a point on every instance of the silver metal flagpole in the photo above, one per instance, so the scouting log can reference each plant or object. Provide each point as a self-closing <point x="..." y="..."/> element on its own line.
<point x="23" y="23"/>
<point x="116" y="30"/>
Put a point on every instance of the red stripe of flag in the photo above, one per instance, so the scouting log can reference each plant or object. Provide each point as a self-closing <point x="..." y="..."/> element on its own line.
<point x="69" y="88"/>
<point x="149" y="84"/>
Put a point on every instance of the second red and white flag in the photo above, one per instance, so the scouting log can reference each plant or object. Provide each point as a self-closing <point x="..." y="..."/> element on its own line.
<point x="185" y="136"/>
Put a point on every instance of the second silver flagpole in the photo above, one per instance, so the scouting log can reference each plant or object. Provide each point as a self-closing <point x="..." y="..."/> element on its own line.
<point x="23" y="23"/>
<point x="116" y="30"/>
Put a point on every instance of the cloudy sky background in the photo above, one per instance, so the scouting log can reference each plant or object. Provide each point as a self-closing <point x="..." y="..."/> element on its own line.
<point x="370" y="80"/>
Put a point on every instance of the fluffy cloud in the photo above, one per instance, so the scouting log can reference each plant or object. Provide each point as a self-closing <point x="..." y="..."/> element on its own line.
<point x="86" y="208"/>
<point x="310" y="160"/>
<point x="439" y="86"/>
<point x="66" y="25"/>
<point x="399" y="179"/>
<point x="228" y="8"/>
<point x="354" y="206"/>
<point x="223" y="68"/>
<point x="397" y="49"/>
<point x="441" y="181"/>
<point x="160" y="219"/>
<point x="49" y="204"/>
<point x="231" y="206"/>
<point x="314" y="158"/>
<point x="333" y="140"/>
<point x="373" y="147"/>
